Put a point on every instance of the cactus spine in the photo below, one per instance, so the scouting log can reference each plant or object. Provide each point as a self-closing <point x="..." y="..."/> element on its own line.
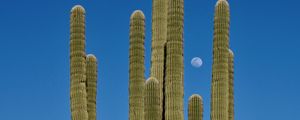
<point x="174" y="62"/>
<point x="219" y="103"/>
<point x="91" y="84"/>
<point x="78" y="64"/>
<point x="136" y="66"/>
<point x="152" y="100"/>
<point x="195" y="108"/>
<point x="231" y="86"/>
<point x="159" y="39"/>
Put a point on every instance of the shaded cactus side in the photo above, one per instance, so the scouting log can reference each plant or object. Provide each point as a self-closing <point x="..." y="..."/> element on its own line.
<point x="159" y="39"/>
<point x="152" y="100"/>
<point x="136" y="66"/>
<point x="91" y="84"/>
<point x="195" y="108"/>
<point x="219" y="94"/>
<point x="174" y="62"/>
<point x="78" y="64"/>
<point x="231" y="86"/>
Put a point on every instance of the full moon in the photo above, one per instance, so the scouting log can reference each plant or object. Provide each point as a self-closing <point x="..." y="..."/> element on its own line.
<point x="196" y="62"/>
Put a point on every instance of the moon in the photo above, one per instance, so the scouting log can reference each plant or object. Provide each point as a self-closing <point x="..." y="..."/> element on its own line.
<point x="196" y="62"/>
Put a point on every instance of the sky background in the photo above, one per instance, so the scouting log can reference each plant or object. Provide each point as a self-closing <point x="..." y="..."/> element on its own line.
<point x="34" y="62"/>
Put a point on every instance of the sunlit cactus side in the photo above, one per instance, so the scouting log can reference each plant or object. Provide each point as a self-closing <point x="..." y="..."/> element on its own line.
<point x="174" y="62"/>
<point x="231" y="86"/>
<point x="159" y="39"/>
<point x="136" y="66"/>
<point x="219" y="94"/>
<point x="78" y="64"/>
<point x="195" y="108"/>
<point x="152" y="100"/>
<point x="91" y="84"/>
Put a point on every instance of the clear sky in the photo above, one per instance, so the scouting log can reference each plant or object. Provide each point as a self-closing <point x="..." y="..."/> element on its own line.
<point x="34" y="62"/>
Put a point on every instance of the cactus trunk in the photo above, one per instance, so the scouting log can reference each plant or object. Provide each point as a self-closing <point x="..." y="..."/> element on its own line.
<point x="174" y="62"/>
<point x="152" y="100"/>
<point x="231" y="86"/>
<point x="78" y="64"/>
<point x="195" y="108"/>
<point x="219" y="94"/>
<point x="159" y="39"/>
<point x="136" y="66"/>
<point x="91" y="84"/>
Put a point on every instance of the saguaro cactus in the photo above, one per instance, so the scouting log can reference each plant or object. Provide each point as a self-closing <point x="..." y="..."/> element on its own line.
<point x="219" y="94"/>
<point x="91" y="84"/>
<point x="136" y="66"/>
<point x="78" y="64"/>
<point x="231" y="86"/>
<point x="159" y="39"/>
<point x="195" y="108"/>
<point x="174" y="62"/>
<point x="152" y="100"/>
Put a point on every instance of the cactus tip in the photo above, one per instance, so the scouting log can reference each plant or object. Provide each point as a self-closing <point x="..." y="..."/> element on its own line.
<point x="91" y="57"/>
<point x="230" y="52"/>
<point x="195" y="96"/>
<point x="222" y="1"/>
<point x="137" y="13"/>
<point x="78" y="7"/>
<point x="151" y="79"/>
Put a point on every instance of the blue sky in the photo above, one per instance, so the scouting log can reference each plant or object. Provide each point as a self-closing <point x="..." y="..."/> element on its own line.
<point x="34" y="63"/>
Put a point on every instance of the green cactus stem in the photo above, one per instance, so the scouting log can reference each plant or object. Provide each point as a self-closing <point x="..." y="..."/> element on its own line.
<point x="174" y="62"/>
<point x="159" y="39"/>
<point x="219" y="94"/>
<point x="231" y="86"/>
<point x="195" y="108"/>
<point x="78" y="64"/>
<point x="136" y="66"/>
<point x="152" y="100"/>
<point x="91" y="84"/>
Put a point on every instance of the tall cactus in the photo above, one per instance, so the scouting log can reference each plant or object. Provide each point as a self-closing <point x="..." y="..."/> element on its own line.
<point x="159" y="39"/>
<point x="91" y="84"/>
<point x="195" y="108"/>
<point x="231" y="86"/>
<point x="174" y="62"/>
<point x="152" y="100"/>
<point x="219" y="94"/>
<point x="136" y="66"/>
<point x="78" y="64"/>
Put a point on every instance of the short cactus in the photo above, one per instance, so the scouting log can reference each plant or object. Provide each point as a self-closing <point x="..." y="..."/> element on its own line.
<point x="159" y="39"/>
<point x="195" y="108"/>
<point x="152" y="100"/>
<point x="136" y="66"/>
<point x="78" y="64"/>
<point x="174" y="62"/>
<point x="219" y="94"/>
<point x="231" y="86"/>
<point x="91" y="85"/>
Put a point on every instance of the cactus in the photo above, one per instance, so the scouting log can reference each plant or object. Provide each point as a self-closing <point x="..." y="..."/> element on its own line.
<point x="78" y="64"/>
<point x="219" y="94"/>
<point x="159" y="39"/>
<point x="91" y="84"/>
<point x="230" y="85"/>
<point x="136" y="67"/>
<point x="174" y="62"/>
<point x="195" y="108"/>
<point x="152" y="100"/>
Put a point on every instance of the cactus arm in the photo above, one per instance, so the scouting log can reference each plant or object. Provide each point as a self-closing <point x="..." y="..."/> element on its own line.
<point x="219" y="94"/>
<point x="152" y="100"/>
<point x="136" y="66"/>
<point x="231" y="86"/>
<point x="174" y="62"/>
<point x="91" y="84"/>
<point x="195" y="108"/>
<point x="78" y="64"/>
